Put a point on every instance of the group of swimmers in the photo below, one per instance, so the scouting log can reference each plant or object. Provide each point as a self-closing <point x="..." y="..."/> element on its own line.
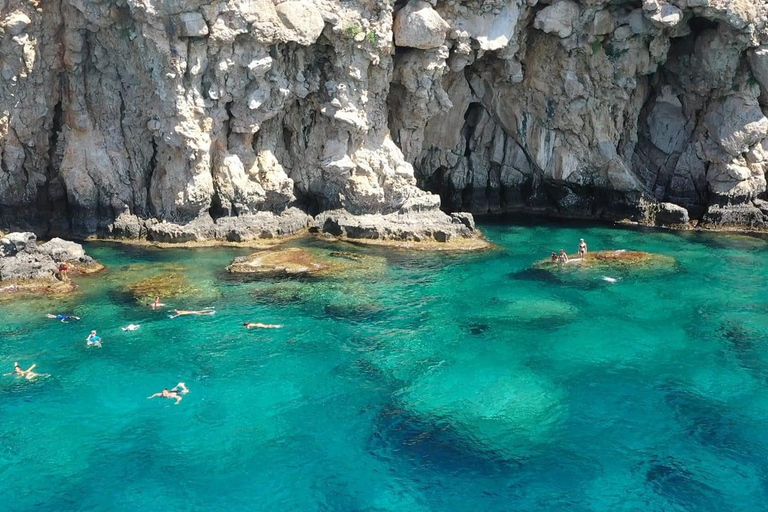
<point x="93" y="339"/>
<point x="563" y="257"/>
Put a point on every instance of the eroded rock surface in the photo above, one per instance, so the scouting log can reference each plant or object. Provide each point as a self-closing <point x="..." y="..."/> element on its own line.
<point x="244" y="119"/>
<point x="26" y="266"/>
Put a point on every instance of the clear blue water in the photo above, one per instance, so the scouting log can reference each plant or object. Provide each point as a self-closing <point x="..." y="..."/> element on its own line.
<point x="430" y="382"/>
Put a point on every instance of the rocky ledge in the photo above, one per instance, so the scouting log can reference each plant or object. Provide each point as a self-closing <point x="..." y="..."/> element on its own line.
<point x="606" y="261"/>
<point x="26" y="267"/>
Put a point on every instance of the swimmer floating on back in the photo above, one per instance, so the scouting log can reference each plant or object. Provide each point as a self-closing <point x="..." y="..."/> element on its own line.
<point x="93" y="340"/>
<point x="175" y="392"/>
<point x="130" y="327"/>
<point x="27" y="374"/>
<point x="184" y="312"/>
<point x="63" y="318"/>
<point x="259" y="325"/>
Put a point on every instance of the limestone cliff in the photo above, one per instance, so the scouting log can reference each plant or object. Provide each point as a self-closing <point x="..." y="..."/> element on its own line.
<point x="235" y="119"/>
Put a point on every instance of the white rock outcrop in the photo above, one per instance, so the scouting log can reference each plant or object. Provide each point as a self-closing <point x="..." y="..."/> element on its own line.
<point x="418" y="25"/>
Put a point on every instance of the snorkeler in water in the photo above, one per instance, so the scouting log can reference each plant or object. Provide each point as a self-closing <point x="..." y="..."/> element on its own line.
<point x="259" y="325"/>
<point x="184" y="312"/>
<point x="63" y="318"/>
<point x="27" y="374"/>
<point x="175" y="392"/>
<point x="93" y="340"/>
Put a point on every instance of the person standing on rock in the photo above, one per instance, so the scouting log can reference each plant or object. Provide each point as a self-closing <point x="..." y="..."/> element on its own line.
<point x="562" y="258"/>
<point x="63" y="271"/>
<point x="582" y="248"/>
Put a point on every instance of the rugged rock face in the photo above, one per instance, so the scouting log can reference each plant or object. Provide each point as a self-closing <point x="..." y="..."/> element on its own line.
<point x="592" y="109"/>
<point x="181" y="120"/>
<point x="27" y="264"/>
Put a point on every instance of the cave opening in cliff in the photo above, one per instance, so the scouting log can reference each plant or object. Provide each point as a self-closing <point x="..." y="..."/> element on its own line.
<point x="698" y="25"/>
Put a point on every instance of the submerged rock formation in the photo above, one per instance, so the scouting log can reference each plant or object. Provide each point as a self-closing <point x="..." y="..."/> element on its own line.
<point x="239" y="119"/>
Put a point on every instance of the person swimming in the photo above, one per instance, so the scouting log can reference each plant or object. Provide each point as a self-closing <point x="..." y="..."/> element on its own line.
<point x="176" y="392"/>
<point x="27" y="374"/>
<point x="184" y="312"/>
<point x="157" y="304"/>
<point x="131" y="327"/>
<point x="259" y="325"/>
<point x="93" y="340"/>
<point x="63" y="318"/>
<point x="554" y="257"/>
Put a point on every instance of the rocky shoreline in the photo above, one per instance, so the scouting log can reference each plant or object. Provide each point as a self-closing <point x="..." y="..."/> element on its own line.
<point x="29" y="268"/>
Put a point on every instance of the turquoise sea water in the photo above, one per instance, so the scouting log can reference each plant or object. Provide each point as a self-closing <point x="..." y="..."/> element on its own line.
<point x="430" y="382"/>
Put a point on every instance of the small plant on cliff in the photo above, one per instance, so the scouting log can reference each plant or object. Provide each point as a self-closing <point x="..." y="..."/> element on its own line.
<point x="752" y="82"/>
<point x="371" y="37"/>
<point x="597" y="45"/>
<point x="352" y="31"/>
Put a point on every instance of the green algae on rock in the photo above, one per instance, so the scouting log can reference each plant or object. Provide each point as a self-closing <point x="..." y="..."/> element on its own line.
<point x="611" y="260"/>
<point x="167" y="284"/>
<point x="299" y="261"/>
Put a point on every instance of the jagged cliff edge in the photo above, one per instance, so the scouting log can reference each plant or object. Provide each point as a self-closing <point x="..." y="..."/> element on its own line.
<point x="183" y="120"/>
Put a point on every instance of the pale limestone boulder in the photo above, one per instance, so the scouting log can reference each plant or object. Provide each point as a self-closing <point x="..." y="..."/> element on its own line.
<point x="491" y="31"/>
<point x="15" y="23"/>
<point x="558" y="18"/>
<point x="603" y="23"/>
<point x="418" y="25"/>
<point x="191" y="24"/>
<point x="736" y="183"/>
<point x="662" y="14"/>
<point x="737" y="124"/>
<point x="304" y="23"/>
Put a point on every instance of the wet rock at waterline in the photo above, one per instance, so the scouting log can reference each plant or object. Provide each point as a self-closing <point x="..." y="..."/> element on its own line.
<point x="610" y="261"/>
<point x="28" y="267"/>
<point x="167" y="284"/>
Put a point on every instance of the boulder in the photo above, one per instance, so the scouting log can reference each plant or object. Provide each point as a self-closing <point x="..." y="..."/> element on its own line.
<point x="191" y="24"/>
<point x="558" y="18"/>
<point x="63" y="250"/>
<point x="304" y="22"/>
<point x="669" y="214"/>
<point x="36" y="267"/>
<point x="416" y="229"/>
<point x="662" y="14"/>
<point x="15" y="23"/>
<point x="737" y="124"/>
<point x="13" y="243"/>
<point x="418" y="25"/>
